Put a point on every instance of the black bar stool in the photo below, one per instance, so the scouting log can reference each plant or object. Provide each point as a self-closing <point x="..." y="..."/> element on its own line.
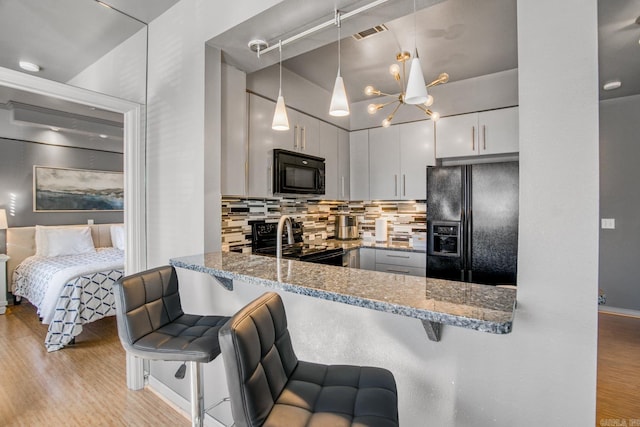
<point x="270" y="386"/>
<point x="152" y="325"/>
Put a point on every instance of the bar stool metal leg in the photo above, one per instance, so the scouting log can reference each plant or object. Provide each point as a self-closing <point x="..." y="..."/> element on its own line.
<point x="197" y="399"/>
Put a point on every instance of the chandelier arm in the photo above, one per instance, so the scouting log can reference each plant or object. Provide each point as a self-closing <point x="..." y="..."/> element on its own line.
<point x="393" y="113"/>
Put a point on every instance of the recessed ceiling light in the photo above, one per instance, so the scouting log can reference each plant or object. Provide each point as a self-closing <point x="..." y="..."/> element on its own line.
<point x="55" y="129"/>
<point x="103" y="136"/>
<point x="614" y="84"/>
<point x="29" y="66"/>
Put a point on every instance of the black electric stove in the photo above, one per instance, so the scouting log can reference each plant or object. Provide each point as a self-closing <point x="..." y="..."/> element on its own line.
<point x="264" y="241"/>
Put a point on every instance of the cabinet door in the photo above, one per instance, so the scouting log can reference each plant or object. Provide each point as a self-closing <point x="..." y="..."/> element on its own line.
<point x="261" y="138"/>
<point x="384" y="163"/>
<point x="367" y="259"/>
<point x="234" y="149"/>
<point x="457" y="136"/>
<point x="416" y="153"/>
<point x="329" y="150"/>
<point x="499" y="131"/>
<point x="343" y="165"/>
<point x="309" y="134"/>
<point x="284" y="139"/>
<point x="359" y="165"/>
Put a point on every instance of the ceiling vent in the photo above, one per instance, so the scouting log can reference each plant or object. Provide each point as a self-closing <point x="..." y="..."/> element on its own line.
<point x="370" y="32"/>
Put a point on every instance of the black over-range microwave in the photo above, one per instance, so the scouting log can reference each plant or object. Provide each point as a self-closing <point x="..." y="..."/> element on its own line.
<point x="295" y="173"/>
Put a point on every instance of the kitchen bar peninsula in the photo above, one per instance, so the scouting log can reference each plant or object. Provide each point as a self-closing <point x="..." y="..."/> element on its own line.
<point x="434" y="302"/>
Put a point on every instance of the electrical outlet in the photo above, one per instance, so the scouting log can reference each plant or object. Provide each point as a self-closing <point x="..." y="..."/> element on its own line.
<point x="608" y="223"/>
<point x="90" y="221"/>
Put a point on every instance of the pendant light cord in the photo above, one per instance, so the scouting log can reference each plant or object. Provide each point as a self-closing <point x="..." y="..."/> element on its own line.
<point x="338" y="23"/>
<point x="280" y="50"/>
<point x="415" y="31"/>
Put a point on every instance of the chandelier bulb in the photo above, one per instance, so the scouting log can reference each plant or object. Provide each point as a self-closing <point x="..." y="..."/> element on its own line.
<point x="369" y="90"/>
<point x="394" y="70"/>
<point x="387" y="122"/>
<point x="372" y="108"/>
<point x="429" y="102"/>
<point x="435" y="116"/>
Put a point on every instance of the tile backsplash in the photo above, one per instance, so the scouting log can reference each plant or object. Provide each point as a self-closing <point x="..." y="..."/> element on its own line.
<point x="318" y="218"/>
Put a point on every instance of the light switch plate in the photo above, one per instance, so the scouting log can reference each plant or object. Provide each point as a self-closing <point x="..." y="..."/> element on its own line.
<point x="608" y="223"/>
<point x="89" y="222"/>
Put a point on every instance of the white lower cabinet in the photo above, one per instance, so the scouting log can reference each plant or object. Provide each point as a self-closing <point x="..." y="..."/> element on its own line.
<point x="390" y="261"/>
<point x="368" y="259"/>
<point x="401" y="262"/>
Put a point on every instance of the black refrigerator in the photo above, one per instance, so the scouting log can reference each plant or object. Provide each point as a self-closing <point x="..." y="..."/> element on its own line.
<point x="472" y="222"/>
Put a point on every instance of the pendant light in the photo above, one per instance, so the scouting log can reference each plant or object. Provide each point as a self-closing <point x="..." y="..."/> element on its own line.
<point x="339" y="106"/>
<point x="416" y="89"/>
<point x="280" y="119"/>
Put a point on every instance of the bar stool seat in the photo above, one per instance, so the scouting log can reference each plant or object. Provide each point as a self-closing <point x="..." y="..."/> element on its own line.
<point x="269" y="386"/>
<point x="152" y="325"/>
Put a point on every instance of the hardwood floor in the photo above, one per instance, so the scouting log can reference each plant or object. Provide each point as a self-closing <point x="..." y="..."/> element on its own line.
<point x="618" y="394"/>
<point x="77" y="386"/>
<point x="85" y="384"/>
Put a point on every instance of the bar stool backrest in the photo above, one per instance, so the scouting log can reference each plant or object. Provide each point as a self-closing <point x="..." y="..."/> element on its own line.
<point x="259" y="358"/>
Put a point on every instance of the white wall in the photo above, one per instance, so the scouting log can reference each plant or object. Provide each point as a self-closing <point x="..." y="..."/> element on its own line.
<point x="619" y="177"/>
<point x="176" y="131"/>
<point x="121" y="72"/>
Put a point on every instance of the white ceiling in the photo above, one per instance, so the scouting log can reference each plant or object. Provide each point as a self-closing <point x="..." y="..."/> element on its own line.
<point x="64" y="37"/>
<point x="461" y="37"/>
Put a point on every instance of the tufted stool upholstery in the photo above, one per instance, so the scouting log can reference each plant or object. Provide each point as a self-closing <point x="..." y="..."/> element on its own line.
<point x="269" y="386"/>
<point x="152" y="325"/>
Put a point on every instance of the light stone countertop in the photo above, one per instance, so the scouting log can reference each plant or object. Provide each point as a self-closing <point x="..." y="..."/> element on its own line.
<point x="468" y="305"/>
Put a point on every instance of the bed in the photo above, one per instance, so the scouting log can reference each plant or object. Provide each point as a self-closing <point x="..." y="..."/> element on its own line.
<point x="67" y="273"/>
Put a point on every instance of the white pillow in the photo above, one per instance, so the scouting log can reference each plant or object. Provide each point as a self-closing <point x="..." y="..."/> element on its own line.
<point x="117" y="236"/>
<point x="60" y="241"/>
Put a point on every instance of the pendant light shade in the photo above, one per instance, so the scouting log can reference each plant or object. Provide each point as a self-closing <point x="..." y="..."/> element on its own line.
<point x="339" y="102"/>
<point x="339" y="106"/>
<point x="280" y="119"/>
<point x="416" y="89"/>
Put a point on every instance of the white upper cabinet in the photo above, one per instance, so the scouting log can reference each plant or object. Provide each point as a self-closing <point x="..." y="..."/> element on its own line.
<point x="329" y="150"/>
<point x="398" y="157"/>
<point x="498" y="131"/>
<point x="359" y="165"/>
<point x="343" y="165"/>
<point x="416" y="153"/>
<point x="234" y="147"/>
<point x="261" y="143"/>
<point x="303" y="134"/>
<point x="487" y="132"/>
<point x="384" y="163"/>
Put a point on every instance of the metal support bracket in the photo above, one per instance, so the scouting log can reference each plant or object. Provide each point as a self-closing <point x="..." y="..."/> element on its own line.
<point x="433" y="329"/>
<point x="225" y="282"/>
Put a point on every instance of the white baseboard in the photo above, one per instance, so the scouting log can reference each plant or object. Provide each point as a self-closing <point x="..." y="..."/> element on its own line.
<point x="620" y="311"/>
<point x="181" y="404"/>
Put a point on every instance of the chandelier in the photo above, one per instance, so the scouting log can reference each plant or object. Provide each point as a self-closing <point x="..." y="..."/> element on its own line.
<point x="399" y="98"/>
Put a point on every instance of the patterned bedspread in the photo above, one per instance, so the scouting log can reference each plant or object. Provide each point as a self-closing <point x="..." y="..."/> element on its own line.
<point x="70" y="291"/>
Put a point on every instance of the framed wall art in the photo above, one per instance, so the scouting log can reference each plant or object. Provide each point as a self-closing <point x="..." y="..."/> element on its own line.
<point x="72" y="190"/>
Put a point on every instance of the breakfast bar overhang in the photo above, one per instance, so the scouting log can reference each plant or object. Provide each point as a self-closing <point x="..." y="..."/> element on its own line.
<point x="434" y="302"/>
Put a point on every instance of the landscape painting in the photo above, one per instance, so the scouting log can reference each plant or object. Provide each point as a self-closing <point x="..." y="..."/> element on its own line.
<point x="62" y="189"/>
